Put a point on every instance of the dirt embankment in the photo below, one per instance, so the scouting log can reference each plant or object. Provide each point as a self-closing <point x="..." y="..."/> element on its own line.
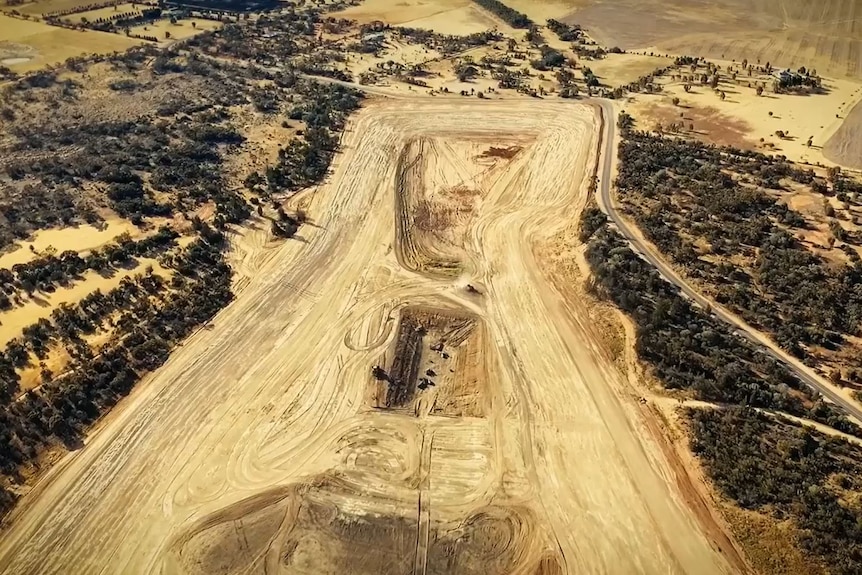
<point x="845" y="145"/>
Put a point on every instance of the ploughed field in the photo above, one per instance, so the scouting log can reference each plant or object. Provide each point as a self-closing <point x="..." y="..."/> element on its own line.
<point x="403" y="389"/>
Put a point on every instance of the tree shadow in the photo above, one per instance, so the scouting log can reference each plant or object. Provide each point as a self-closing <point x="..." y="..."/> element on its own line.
<point x="40" y="301"/>
<point x="73" y="443"/>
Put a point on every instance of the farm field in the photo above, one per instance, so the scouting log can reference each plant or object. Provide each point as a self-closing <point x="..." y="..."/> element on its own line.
<point x="93" y="15"/>
<point x="796" y="33"/>
<point x="402" y="12"/>
<point x="476" y="457"/>
<point x="182" y="29"/>
<point x="28" y="45"/>
<point x="452" y="16"/>
<point x="50" y="6"/>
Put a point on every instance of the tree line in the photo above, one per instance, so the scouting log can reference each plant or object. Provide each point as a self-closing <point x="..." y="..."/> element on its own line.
<point x="511" y="16"/>
<point x="62" y="408"/>
<point x="686" y="346"/>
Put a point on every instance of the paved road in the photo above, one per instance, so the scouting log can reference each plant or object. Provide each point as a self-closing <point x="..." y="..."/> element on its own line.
<point x="640" y="245"/>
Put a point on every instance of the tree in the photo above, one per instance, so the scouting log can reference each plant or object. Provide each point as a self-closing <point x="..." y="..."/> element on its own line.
<point x="759" y="90"/>
<point x="675" y="101"/>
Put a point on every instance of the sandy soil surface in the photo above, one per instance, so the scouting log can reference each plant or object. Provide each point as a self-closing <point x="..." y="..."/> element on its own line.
<point x="620" y="69"/>
<point x="498" y="445"/>
<point x="26" y="45"/>
<point x="540" y="10"/>
<point x="40" y="305"/>
<point x="746" y="120"/>
<point x="454" y="16"/>
<point x="80" y="238"/>
<point x="469" y="19"/>
<point x="398" y="13"/>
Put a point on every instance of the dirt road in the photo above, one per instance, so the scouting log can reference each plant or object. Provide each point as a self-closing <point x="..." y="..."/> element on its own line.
<point x="490" y="440"/>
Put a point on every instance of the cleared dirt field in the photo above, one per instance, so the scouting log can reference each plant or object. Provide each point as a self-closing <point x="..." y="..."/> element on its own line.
<point x="822" y="35"/>
<point x="491" y="438"/>
<point x="26" y="45"/>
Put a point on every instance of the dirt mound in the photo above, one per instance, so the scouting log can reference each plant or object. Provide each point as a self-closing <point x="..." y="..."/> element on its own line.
<point x="845" y="145"/>
<point x="436" y="365"/>
<point x="310" y="529"/>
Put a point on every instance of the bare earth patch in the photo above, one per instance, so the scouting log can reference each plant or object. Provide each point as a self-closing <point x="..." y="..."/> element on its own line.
<point x="258" y="444"/>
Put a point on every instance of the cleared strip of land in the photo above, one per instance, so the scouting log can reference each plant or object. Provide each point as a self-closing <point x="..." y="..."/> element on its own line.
<point x="491" y="440"/>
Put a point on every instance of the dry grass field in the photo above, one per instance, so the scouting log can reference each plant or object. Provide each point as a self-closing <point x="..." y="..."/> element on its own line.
<point x="49" y="6"/>
<point x="93" y="15"/>
<point x="182" y="29"/>
<point x="744" y="119"/>
<point x="453" y="16"/>
<point x="823" y="35"/>
<point x="27" y="45"/>
<point x="476" y="456"/>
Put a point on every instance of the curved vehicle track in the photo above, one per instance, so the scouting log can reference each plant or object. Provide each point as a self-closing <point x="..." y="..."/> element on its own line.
<point x="262" y="444"/>
<point x="651" y="254"/>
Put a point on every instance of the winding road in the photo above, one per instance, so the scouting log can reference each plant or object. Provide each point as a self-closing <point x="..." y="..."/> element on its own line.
<point x="643" y="247"/>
